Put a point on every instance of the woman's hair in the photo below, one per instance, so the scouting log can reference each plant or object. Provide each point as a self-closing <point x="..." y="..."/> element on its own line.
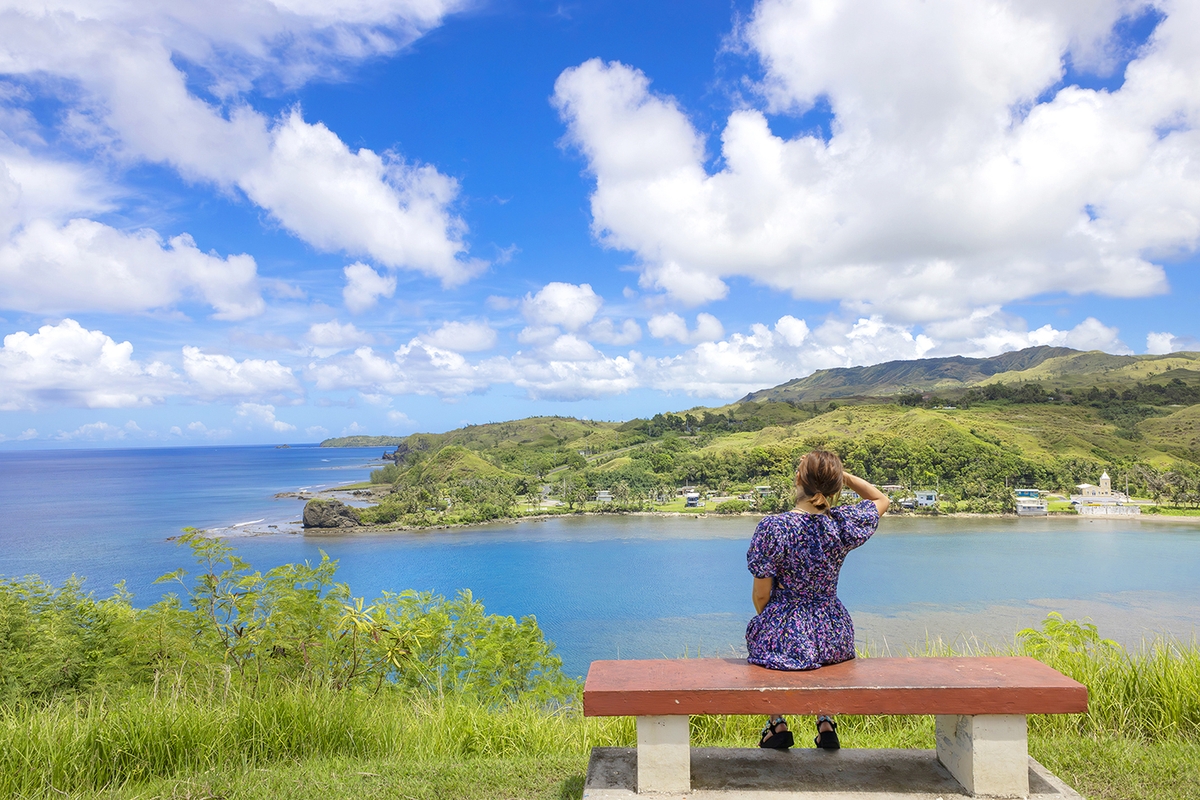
<point x="819" y="477"/>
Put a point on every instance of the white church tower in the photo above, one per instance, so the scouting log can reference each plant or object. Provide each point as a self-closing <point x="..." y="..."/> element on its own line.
<point x="1105" y="484"/>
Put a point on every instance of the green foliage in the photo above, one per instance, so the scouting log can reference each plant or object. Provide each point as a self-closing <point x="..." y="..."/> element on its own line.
<point x="293" y="625"/>
<point x="732" y="507"/>
<point x="60" y="640"/>
<point x="387" y="474"/>
<point x="974" y="464"/>
<point x="743" y="416"/>
<point x="455" y="501"/>
<point x="110" y="737"/>
<point x="104" y="742"/>
<point x="1153" y="694"/>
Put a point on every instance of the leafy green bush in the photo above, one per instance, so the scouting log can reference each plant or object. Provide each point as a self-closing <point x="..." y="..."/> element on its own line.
<point x="387" y="474"/>
<point x="732" y="507"/>
<point x="240" y="627"/>
<point x="62" y="640"/>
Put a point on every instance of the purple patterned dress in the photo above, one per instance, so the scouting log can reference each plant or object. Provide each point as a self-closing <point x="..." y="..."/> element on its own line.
<point x="804" y="625"/>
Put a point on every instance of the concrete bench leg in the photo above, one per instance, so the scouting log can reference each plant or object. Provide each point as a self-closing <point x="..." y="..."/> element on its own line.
<point x="664" y="758"/>
<point x="987" y="754"/>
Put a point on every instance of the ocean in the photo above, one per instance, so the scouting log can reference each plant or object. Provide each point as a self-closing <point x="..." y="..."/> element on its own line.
<point x="611" y="586"/>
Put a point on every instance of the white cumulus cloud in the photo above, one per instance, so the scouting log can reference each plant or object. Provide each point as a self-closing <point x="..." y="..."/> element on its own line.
<point x="67" y="364"/>
<point x="400" y="420"/>
<point x="262" y="415"/>
<point x="462" y="337"/>
<point x="361" y="202"/>
<point x="794" y="331"/>
<point x="955" y="174"/>
<point x="328" y="338"/>
<point x="767" y="356"/>
<point x="125" y="71"/>
<point x="97" y="432"/>
<point x="606" y="331"/>
<point x="215" y="375"/>
<point x="570" y="368"/>
<point x="671" y="326"/>
<point x="566" y="366"/>
<point x="989" y="331"/>
<point x="39" y="187"/>
<point x="566" y="305"/>
<point x="86" y="266"/>
<point x="24" y="436"/>
<point x="364" y="287"/>
<point x="1161" y="343"/>
<point x="415" y="368"/>
<point x="763" y="357"/>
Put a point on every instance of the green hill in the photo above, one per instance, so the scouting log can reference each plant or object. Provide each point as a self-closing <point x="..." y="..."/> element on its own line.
<point x="455" y="463"/>
<point x="1040" y="433"/>
<point x="1082" y="370"/>
<point x="541" y="432"/>
<point x="973" y="428"/>
<point x="1059" y="367"/>
<point x="894" y="377"/>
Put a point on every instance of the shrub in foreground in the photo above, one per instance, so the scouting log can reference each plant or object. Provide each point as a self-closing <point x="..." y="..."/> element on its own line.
<point x="236" y="626"/>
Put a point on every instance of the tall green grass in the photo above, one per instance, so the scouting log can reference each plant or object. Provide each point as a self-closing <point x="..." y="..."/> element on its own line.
<point x="109" y="741"/>
<point x="103" y="741"/>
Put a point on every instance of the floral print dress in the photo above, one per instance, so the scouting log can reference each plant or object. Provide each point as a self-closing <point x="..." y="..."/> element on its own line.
<point x="804" y="625"/>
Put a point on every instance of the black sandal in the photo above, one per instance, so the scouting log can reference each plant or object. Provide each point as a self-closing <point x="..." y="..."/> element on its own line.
<point x="827" y="740"/>
<point x="775" y="739"/>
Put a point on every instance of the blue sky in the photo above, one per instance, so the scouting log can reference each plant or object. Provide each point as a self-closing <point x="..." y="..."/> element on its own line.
<point x="279" y="221"/>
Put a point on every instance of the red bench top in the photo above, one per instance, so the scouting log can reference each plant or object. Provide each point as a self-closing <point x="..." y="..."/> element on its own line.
<point x="985" y="685"/>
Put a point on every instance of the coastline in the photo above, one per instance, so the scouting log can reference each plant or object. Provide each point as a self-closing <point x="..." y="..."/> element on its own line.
<point x="360" y="496"/>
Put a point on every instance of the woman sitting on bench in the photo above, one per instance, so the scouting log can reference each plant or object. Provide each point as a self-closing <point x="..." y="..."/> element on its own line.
<point x="795" y="558"/>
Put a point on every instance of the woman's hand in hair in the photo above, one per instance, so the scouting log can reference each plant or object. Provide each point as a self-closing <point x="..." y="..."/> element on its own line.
<point x="867" y="491"/>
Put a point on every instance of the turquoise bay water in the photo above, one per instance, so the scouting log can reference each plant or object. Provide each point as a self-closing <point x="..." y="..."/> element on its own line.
<point x="601" y="587"/>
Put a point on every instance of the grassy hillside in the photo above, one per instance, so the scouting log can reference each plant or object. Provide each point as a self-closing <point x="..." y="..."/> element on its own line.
<point x="1054" y="367"/>
<point x="455" y="463"/>
<point x="1084" y="370"/>
<point x="893" y="377"/>
<point x="544" y="432"/>
<point x="1177" y="433"/>
<point x="1040" y="433"/>
<point x="1045" y="417"/>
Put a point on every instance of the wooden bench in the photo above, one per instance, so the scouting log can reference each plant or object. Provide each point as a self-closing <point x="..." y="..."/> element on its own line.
<point x="980" y="705"/>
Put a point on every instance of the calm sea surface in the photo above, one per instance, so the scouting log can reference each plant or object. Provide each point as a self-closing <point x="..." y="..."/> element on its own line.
<point x="601" y="587"/>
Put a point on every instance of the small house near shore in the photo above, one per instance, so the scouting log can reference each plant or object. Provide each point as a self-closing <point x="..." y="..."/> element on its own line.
<point x="1032" y="507"/>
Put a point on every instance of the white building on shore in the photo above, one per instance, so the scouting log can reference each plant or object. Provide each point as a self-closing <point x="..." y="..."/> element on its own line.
<point x="1101" y="501"/>
<point x="1032" y="507"/>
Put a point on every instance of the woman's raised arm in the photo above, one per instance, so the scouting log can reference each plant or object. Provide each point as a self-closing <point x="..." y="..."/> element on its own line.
<point x="867" y="491"/>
